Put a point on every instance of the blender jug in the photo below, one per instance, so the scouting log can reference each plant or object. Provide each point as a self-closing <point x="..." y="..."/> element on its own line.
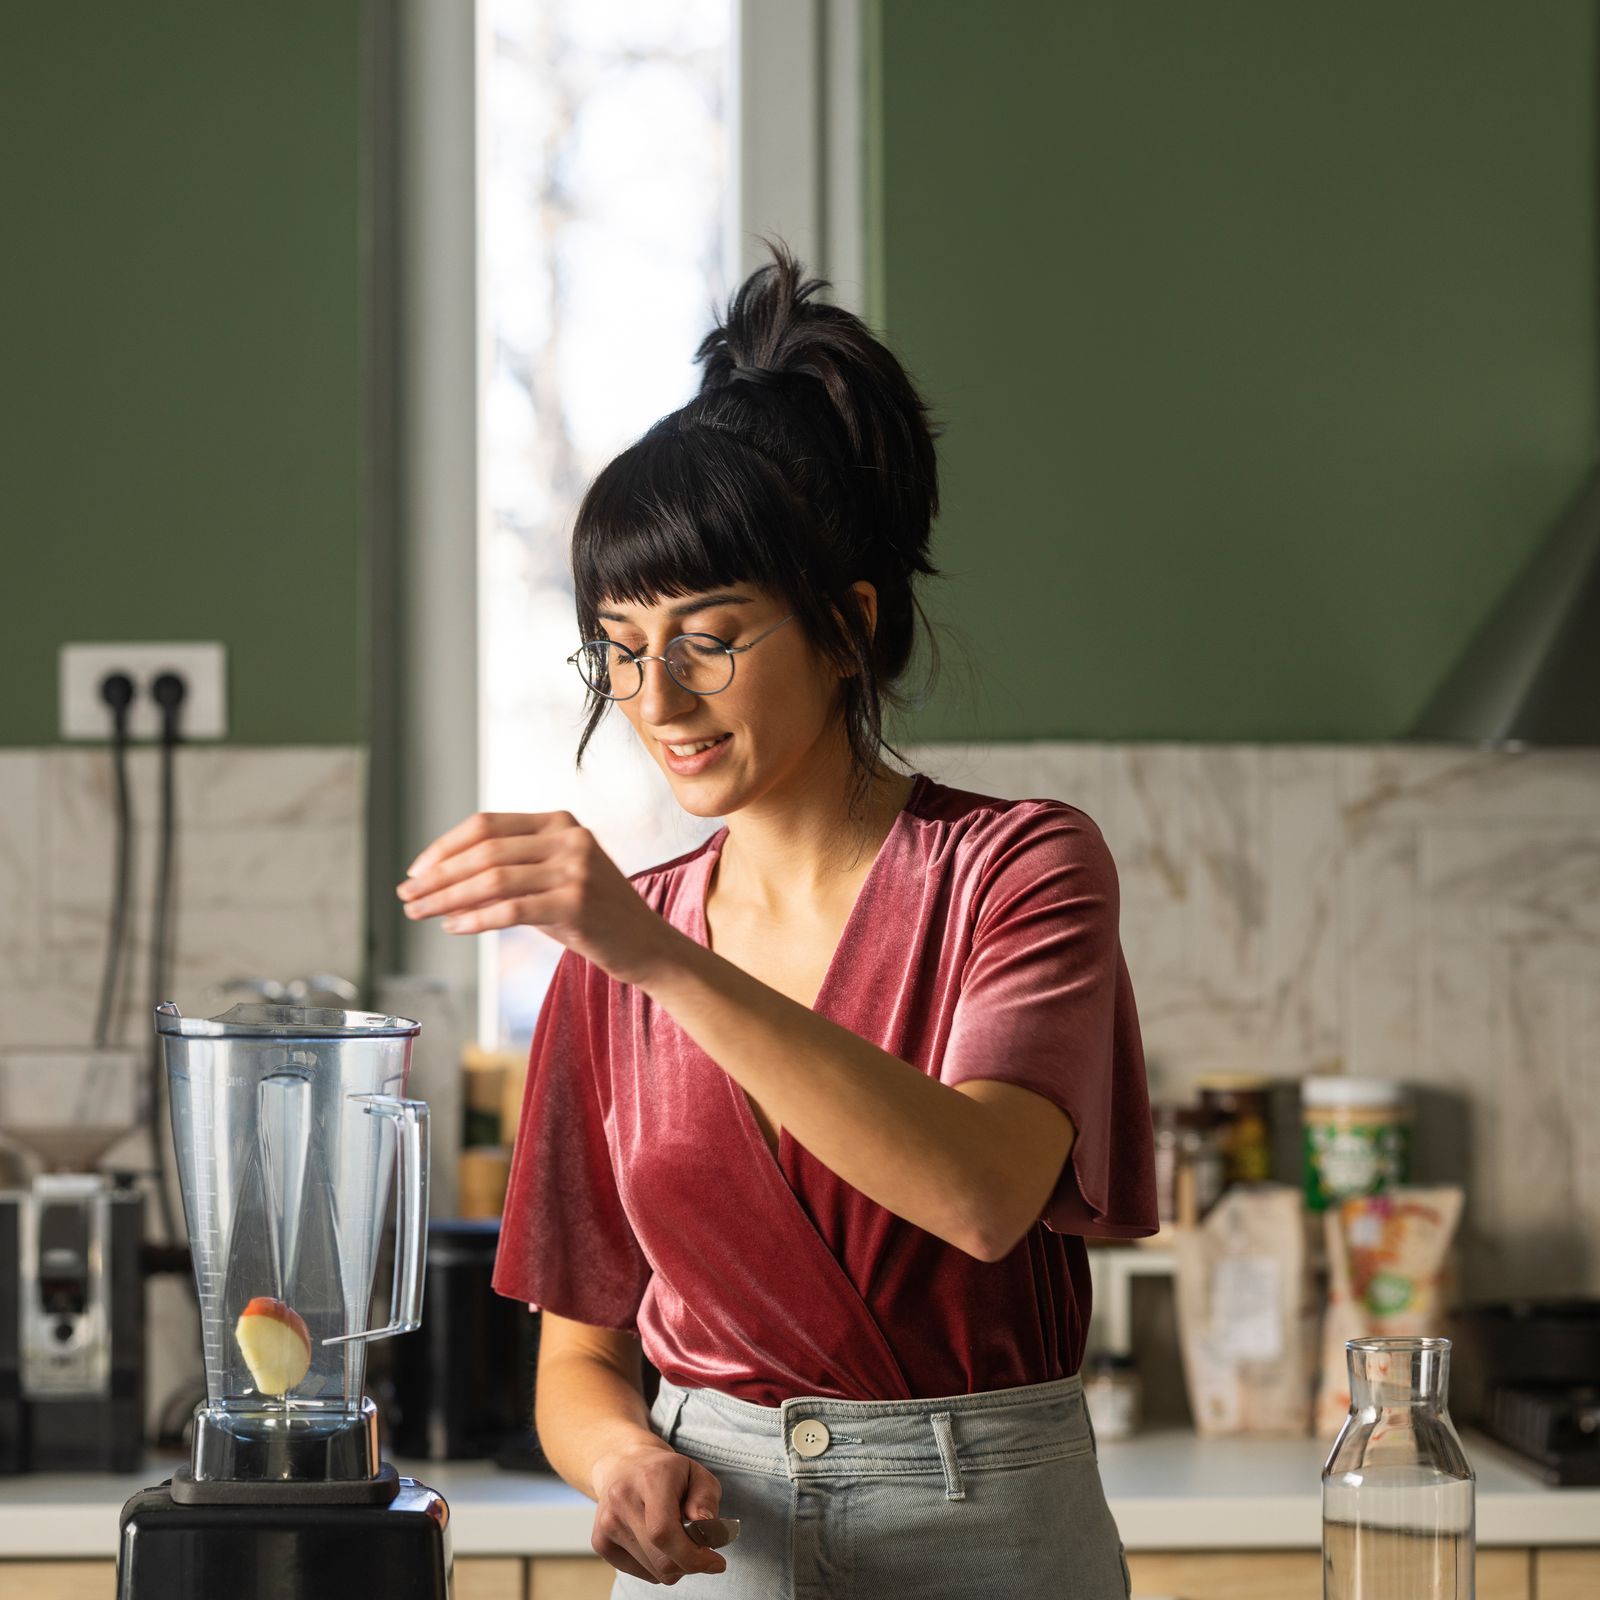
<point x="289" y="1124"/>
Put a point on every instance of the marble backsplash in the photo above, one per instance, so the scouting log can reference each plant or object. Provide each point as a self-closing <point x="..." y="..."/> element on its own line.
<point x="268" y="878"/>
<point x="1423" y="913"/>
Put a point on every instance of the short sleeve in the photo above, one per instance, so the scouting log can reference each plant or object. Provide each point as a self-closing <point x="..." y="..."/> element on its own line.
<point x="565" y="1241"/>
<point x="1046" y="1003"/>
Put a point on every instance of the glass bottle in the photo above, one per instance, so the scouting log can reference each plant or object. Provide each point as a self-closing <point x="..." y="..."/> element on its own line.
<point x="1397" y="1492"/>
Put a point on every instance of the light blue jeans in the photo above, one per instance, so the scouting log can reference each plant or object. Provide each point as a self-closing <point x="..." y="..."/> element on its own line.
<point x="975" y="1495"/>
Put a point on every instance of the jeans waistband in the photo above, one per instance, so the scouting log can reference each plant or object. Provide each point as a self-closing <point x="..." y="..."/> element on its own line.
<point x="1000" y="1427"/>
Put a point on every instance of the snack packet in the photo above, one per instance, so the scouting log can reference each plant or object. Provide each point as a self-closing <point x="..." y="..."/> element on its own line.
<point x="1388" y="1257"/>
<point x="1245" y="1318"/>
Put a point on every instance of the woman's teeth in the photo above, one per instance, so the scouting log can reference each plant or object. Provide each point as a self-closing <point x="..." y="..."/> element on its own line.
<point x="695" y="749"/>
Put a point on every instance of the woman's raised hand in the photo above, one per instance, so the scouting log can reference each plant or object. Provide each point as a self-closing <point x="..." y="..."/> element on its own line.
<point x="542" y="869"/>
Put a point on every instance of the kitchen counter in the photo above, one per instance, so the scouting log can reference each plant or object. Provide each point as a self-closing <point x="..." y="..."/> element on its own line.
<point x="1168" y="1490"/>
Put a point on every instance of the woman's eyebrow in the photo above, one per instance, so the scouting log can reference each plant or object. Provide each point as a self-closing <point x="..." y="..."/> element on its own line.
<point x="686" y="608"/>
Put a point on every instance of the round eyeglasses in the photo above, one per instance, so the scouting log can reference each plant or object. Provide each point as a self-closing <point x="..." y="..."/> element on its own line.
<point x="699" y="662"/>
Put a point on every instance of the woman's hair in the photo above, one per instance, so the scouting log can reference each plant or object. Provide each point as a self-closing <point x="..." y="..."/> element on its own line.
<point x="804" y="464"/>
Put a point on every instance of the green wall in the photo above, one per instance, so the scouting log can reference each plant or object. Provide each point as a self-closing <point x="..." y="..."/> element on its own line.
<point x="1264" y="335"/>
<point x="180" y="300"/>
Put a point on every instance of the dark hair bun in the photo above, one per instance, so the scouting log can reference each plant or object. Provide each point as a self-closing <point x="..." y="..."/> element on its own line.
<point x="804" y="466"/>
<point x="824" y="361"/>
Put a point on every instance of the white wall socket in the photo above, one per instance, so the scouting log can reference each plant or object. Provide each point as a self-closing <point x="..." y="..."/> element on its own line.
<point x="84" y="715"/>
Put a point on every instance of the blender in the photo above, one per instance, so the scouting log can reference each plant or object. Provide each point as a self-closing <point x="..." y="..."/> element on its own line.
<point x="289" y="1125"/>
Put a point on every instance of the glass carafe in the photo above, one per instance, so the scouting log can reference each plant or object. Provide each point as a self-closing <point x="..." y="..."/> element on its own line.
<point x="1397" y="1492"/>
<point x="287" y="1122"/>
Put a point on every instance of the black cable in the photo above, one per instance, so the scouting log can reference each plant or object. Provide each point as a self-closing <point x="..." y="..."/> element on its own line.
<point x="168" y="692"/>
<point x="116" y="689"/>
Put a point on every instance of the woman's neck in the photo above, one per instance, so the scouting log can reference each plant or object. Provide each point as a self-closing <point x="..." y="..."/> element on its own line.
<point x="801" y="837"/>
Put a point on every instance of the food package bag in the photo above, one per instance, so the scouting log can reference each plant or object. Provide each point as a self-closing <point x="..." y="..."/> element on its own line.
<point x="1388" y="1277"/>
<point x="1246" y="1316"/>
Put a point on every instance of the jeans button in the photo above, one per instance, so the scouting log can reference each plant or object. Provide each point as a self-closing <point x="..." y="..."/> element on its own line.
<point x="809" y="1438"/>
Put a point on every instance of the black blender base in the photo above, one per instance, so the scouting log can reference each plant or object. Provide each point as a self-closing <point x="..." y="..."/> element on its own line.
<point x="170" y="1551"/>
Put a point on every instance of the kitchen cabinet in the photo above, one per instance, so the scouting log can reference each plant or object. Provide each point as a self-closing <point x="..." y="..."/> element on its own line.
<point x="488" y="1578"/>
<point x="1227" y="1575"/>
<point x="1567" y="1574"/>
<point x="476" y="1578"/>
<point x="570" y="1578"/>
<point x="1171" y="1575"/>
<point x="1297" y="1575"/>
<point x="58" y="1580"/>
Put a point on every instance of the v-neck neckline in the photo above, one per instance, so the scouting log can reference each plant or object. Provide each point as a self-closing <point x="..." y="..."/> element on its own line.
<point x="700" y="931"/>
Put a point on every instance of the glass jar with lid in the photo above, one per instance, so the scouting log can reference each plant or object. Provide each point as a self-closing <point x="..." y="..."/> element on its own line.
<point x="1357" y="1137"/>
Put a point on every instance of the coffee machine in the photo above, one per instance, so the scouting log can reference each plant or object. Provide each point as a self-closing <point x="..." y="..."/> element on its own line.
<point x="72" y="1351"/>
<point x="289" y="1124"/>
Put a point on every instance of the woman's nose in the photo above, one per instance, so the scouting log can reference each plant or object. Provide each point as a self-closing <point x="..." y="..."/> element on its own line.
<point x="662" y="696"/>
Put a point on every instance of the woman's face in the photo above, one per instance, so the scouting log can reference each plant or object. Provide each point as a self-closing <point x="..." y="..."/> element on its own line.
<point x="773" y="719"/>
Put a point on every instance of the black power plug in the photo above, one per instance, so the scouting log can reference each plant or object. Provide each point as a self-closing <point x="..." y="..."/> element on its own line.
<point x="117" y="690"/>
<point x="169" y="691"/>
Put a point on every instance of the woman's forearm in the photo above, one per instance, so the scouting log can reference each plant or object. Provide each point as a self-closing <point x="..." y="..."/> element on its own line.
<point x="586" y="1410"/>
<point x="918" y="1147"/>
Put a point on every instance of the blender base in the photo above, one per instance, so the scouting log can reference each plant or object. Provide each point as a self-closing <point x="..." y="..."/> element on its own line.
<point x="187" y="1490"/>
<point x="172" y="1551"/>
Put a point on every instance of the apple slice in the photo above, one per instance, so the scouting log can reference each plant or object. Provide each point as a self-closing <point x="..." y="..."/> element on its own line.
<point x="275" y="1343"/>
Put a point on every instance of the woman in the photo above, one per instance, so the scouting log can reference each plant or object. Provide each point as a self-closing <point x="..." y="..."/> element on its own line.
<point x="821" y="1111"/>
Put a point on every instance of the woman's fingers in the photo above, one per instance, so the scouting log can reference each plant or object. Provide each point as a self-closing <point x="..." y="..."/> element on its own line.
<point x="624" y="1560"/>
<point x="505" y="871"/>
<point x="528" y="909"/>
<point x="634" y="1547"/>
<point x="483" y="826"/>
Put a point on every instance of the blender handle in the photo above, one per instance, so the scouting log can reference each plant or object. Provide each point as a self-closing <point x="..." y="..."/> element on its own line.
<point x="410" y="1119"/>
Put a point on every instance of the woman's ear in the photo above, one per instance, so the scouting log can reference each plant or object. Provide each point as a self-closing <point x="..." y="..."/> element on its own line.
<point x="867" y="595"/>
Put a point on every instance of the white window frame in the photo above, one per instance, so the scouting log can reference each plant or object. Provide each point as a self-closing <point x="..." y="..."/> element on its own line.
<point x="799" y="158"/>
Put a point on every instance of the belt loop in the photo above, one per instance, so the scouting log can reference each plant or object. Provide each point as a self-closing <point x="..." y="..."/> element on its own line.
<point x="675" y="1404"/>
<point x="945" y="1439"/>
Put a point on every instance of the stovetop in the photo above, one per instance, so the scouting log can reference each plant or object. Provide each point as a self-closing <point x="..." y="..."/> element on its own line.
<point x="1554" y="1427"/>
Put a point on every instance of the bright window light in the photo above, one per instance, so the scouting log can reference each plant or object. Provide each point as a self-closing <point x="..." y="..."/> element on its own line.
<point x="607" y="212"/>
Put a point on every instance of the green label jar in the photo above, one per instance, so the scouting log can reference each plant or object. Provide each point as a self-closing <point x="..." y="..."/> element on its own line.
<point x="1357" y="1137"/>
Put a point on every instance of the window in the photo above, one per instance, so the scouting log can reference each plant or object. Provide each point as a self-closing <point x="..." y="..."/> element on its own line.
<point x="608" y="177"/>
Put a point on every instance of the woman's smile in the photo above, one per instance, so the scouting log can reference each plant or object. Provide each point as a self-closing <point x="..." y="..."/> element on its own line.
<point x="689" y="759"/>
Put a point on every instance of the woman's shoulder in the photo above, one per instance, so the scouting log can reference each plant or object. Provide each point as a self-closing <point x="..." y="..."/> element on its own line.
<point x="995" y="845"/>
<point x="980" y="822"/>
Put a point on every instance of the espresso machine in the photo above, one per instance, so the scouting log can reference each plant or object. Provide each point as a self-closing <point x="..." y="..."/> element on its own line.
<point x="290" y="1123"/>
<point x="72" y="1351"/>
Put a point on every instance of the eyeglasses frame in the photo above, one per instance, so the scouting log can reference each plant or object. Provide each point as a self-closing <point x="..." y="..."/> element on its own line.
<point x="639" y="660"/>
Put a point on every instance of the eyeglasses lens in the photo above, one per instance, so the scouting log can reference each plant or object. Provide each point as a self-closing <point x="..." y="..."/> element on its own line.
<point x="608" y="670"/>
<point x="699" y="663"/>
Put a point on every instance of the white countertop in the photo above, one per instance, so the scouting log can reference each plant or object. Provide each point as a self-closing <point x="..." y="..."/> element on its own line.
<point x="1168" y="1491"/>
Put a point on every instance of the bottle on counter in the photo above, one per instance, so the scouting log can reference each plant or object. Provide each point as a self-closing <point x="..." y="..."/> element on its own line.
<point x="1398" y="1513"/>
<point x="1357" y="1137"/>
<point x="1113" y="1393"/>
<point x="1239" y="1103"/>
<point x="1189" y="1166"/>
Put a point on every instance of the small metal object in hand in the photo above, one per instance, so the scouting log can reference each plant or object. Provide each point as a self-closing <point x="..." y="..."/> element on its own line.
<point x="712" y="1532"/>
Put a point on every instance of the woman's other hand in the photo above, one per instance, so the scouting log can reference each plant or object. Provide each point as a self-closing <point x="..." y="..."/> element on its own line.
<point x="644" y="1494"/>
<point x="541" y="869"/>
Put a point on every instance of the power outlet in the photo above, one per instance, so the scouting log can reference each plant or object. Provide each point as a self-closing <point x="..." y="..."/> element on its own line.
<point x="203" y="667"/>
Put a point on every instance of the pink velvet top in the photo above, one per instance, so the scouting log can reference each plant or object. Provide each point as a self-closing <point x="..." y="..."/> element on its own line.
<point x="983" y="944"/>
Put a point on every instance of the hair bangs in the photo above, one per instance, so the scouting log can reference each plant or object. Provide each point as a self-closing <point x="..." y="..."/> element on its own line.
<point x="679" y="514"/>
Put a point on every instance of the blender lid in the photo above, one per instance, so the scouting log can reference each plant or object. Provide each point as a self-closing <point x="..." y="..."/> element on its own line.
<point x="284" y="1022"/>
